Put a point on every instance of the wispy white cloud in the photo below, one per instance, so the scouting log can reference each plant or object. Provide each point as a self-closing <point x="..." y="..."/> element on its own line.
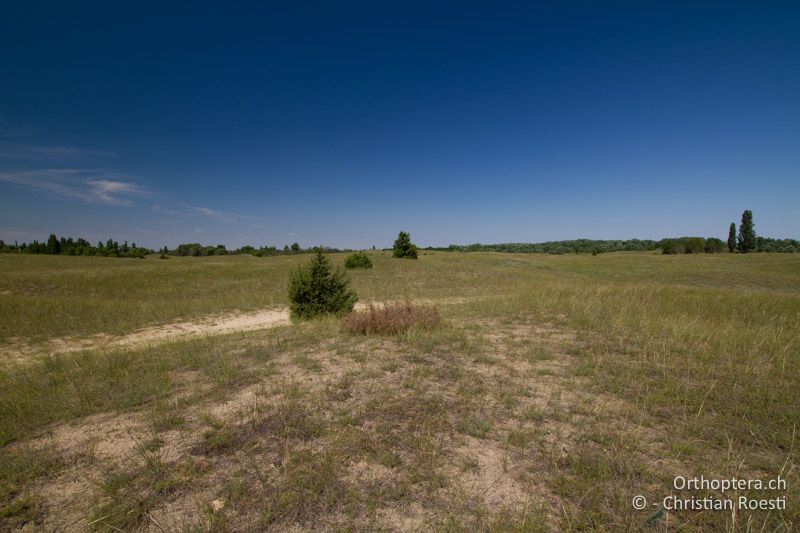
<point x="109" y="191"/>
<point x="89" y="185"/>
<point x="100" y="186"/>
<point x="217" y="215"/>
<point x="186" y="210"/>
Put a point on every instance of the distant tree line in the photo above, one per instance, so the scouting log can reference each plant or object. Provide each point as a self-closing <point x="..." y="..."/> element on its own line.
<point x="765" y="244"/>
<point x="745" y="241"/>
<point x="679" y="245"/>
<point x="696" y="245"/>
<point x="692" y="245"/>
<point x="558" y="247"/>
<point x="198" y="250"/>
<point x="112" y="248"/>
<point x="70" y="246"/>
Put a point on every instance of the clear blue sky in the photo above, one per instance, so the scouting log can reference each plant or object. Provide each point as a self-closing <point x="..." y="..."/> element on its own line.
<point x="341" y="123"/>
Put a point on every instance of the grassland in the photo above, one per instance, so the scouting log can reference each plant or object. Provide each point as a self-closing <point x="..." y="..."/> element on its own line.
<point x="556" y="389"/>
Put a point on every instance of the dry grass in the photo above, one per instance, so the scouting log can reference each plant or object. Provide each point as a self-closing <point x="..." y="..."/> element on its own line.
<point x="391" y="318"/>
<point x="554" y="390"/>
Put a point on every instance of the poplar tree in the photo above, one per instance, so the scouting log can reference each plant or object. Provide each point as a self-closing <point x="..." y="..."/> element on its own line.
<point x="747" y="233"/>
<point x="53" y="246"/>
<point x="732" y="238"/>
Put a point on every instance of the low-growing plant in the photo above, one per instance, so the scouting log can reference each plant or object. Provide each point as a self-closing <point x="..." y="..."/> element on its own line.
<point x="391" y="319"/>
<point x="316" y="289"/>
<point x="358" y="260"/>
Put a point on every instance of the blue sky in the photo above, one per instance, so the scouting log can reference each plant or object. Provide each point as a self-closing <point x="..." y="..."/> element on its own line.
<point x="341" y="123"/>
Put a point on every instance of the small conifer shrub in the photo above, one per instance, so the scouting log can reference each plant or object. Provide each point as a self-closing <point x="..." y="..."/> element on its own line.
<point x="358" y="260"/>
<point x="316" y="289"/>
<point x="403" y="247"/>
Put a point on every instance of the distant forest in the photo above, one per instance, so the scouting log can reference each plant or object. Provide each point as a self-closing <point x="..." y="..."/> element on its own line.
<point x="70" y="246"/>
<point x="198" y="250"/>
<point x="111" y="248"/>
<point x="681" y="245"/>
<point x="668" y="246"/>
<point x="556" y="247"/>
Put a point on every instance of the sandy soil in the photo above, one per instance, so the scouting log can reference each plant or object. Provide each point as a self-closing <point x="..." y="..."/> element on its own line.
<point x="210" y="325"/>
<point x="480" y="471"/>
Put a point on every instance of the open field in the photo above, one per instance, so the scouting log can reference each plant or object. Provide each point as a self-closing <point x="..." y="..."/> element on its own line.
<point x="556" y="389"/>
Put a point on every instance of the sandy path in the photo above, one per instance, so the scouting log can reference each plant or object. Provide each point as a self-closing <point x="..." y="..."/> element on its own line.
<point x="204" y="326"/>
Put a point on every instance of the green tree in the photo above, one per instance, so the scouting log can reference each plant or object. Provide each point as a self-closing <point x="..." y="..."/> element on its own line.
<point x="316" y="289"/>
<point x="732" y="238"/>
<point x="53" y="245"/>
<point x="693" y="245"/>
<point x="714" y="245"/>
<point x="671" y="247"/>
<point x="295" y="248"/>
<point x="747" y="233"/>
<point x="403" y="247"/>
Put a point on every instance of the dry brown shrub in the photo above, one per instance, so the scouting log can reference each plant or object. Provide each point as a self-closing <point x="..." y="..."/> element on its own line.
<point x="391" y="318"/>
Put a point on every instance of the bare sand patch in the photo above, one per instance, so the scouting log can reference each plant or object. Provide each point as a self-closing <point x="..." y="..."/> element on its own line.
<point x="204" y="326"/>
<point x="210" y="325"/>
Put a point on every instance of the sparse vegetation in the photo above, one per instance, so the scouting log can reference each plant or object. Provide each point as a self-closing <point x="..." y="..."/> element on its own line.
<point x="558" y="387"/>
<point x="317" y="289"/>
<point x="358" y="260"/>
